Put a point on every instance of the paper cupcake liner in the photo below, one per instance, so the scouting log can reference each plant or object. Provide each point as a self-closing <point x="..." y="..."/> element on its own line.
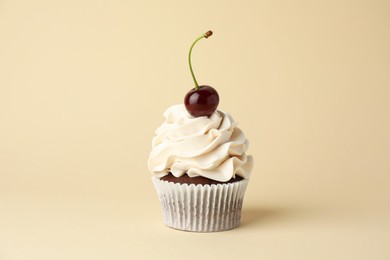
<point x="201" y="208"/>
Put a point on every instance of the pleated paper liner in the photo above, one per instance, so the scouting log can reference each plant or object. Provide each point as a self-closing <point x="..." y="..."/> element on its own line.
<point x="201" y="208"/>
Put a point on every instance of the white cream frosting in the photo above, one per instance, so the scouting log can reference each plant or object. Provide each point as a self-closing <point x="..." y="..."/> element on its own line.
<point x="212" y="147"/>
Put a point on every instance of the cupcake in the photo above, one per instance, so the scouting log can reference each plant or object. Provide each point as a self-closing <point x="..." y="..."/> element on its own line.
<point x="199" y="164"/>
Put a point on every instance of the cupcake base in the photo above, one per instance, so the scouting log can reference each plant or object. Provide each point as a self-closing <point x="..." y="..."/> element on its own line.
<point x="201" y="208"/>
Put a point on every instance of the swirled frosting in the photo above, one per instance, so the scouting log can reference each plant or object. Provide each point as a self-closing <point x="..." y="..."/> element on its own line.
<point x="212" y="147"/>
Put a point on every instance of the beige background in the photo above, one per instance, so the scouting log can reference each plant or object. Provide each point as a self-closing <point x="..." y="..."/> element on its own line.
<point x="83" y="85"/>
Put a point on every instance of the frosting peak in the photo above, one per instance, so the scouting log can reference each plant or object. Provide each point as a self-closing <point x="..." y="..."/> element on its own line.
<point x="212" y="147"/>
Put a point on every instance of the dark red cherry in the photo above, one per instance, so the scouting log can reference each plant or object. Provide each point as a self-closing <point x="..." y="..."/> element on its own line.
<point x="201" y="102"/>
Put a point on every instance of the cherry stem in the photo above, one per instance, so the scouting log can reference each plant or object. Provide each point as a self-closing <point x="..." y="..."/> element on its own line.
<point x="205" y="35"/>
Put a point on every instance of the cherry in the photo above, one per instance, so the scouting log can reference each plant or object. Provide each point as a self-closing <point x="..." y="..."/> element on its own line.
<point x="201" y="100"/>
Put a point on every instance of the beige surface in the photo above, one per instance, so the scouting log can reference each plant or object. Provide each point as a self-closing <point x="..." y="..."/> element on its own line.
<point x="83" y="85"/>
